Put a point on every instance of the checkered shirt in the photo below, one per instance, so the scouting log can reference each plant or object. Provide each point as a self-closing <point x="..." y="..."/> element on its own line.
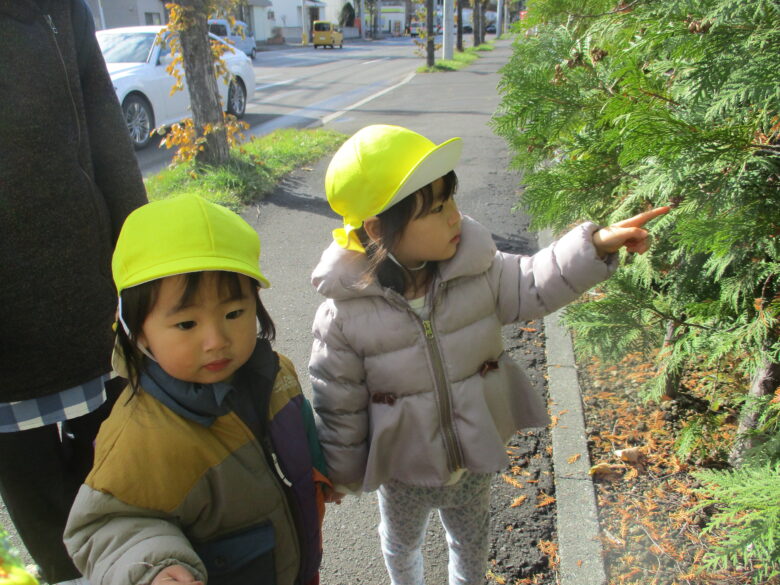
<point x="46" y="410"/>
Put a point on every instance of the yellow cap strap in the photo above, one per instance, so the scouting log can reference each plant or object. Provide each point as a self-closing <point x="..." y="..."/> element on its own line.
<point x="348" y="240"/>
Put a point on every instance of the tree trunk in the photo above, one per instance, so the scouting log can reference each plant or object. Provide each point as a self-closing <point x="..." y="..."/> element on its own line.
<point x="202" y="83"/>
<point x="476" y="21"/>
<point x="764" y="383"/>
<point x="430" y="35"/>
<point x="459" y="44"/>
<point x="672" y="385"/>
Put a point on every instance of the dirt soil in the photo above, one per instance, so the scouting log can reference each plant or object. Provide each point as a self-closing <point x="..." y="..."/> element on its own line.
<point x="523" y="541"/>
<point x="651" y="528"/>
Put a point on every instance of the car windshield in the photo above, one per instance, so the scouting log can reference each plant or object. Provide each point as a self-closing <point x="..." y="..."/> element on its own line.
<point x="218" y="29"/>
<point x="321" y="26"/>
<point x="128" y="47"/>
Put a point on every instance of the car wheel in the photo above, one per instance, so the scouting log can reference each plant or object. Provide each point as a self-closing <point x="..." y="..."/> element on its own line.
<point x="139" y="119"/>
<point x="252" y="55"/>
<point x="236" y="98"/>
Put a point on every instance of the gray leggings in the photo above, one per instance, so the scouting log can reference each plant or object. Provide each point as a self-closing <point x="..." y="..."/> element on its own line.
<point x="464" y="509"/>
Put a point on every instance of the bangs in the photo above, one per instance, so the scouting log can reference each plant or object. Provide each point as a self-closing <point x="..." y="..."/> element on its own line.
<point x="228" y="286"/>
<point x="425" y="198"/>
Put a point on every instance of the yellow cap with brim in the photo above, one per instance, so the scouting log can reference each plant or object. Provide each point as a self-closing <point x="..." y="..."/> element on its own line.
<point x="181" y="235"/>
<point x="379" y="166"/>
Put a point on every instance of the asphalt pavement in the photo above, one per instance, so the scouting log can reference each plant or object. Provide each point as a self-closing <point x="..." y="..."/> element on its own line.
<point x="295" y="224"/>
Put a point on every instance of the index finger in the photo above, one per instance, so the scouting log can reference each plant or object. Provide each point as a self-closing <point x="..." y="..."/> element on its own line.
<point x="643" y="218"/>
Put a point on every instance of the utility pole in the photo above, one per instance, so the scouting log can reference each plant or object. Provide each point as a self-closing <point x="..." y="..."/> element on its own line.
<point x="460" y="26"/>
<point x="448" y="29"/>
<point x="304" y="34"/>
<point x="500" y="19"/>
<point x="430" y="36"/>
<point x="363" y="19"/>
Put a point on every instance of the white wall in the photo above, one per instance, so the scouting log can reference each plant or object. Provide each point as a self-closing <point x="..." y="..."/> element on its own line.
<point x="260" y="24"/>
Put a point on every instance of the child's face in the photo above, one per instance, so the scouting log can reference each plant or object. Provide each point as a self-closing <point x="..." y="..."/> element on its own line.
<point x="207" y="340"/>
<point x="432" y="237"/>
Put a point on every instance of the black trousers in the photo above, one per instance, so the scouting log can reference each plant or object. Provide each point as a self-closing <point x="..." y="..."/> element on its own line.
<point x="40" y="472"/>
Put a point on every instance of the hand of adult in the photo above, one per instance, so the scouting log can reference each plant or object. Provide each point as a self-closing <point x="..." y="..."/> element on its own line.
<point x="173" y="575"/>
<point x="628" y="233"/>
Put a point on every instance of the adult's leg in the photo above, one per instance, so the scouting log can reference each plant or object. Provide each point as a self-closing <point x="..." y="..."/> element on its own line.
<point x="33" y="488"/>
<point x="78" y="437"/>
<point x="465" y="514"/>
<point x="404" y="516"/>
<point x="40" y="473"/>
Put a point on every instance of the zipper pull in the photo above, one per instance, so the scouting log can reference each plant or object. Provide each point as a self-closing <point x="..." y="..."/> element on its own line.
<point x="428" y="329"/>
<point x="51" y="23"/>
<point x="279" y="471"/>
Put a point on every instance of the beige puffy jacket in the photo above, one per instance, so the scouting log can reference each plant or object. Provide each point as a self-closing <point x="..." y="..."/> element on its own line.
<point x="399" y="397"/>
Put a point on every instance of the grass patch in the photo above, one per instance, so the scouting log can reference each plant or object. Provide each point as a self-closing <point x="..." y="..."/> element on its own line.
<point x="459" y="60"/>
<point x="253" y="171"/>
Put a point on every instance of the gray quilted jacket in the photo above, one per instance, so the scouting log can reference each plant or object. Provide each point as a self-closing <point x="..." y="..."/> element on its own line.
<point x="411" y="399"/>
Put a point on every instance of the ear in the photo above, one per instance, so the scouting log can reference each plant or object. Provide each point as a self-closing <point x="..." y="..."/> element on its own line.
<point x="373" y="227"/>
<point x="142" y="341"/>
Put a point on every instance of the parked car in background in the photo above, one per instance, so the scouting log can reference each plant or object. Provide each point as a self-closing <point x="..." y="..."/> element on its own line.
<point x="137" y="58"/>
<point x="236" y="34"/>
<point x="327" y="34"/>
<point x="490" y="28"/>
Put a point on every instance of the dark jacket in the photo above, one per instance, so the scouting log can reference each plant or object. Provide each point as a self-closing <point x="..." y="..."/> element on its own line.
<point x="68" y="179"/>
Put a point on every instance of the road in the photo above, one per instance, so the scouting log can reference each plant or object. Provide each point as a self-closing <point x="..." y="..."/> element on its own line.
<point x="302" y="86"/>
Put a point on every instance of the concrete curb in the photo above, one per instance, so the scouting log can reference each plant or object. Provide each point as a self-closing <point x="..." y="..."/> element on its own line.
<point x="579" y="546"/>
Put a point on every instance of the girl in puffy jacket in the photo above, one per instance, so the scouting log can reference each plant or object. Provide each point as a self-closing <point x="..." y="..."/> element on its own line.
<point x="207" y="467"/>
<point x="413" y="393"/>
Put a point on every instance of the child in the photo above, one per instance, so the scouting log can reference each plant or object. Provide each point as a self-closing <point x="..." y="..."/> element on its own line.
<point x="205" y="469"/>
<point x="413" y="391"/>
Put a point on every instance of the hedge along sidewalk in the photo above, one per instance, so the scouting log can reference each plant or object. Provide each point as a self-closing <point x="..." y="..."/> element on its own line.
<point x="579" y="544"/>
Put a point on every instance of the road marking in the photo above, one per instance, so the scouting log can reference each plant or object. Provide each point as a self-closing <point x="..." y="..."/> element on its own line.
<point x="267" y="85"/>
<point x="334" y="115"/>
<point x="375" y="61"/>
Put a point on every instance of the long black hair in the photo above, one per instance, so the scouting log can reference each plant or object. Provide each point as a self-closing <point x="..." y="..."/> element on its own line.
<point x="393" y="222"/>
<point x="138" y="301"/>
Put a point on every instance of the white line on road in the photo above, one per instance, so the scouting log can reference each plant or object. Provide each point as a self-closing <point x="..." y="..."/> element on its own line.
<point x="267" y="85"/>
<point x="375" y="61"/>
<point x="334" y="115"/>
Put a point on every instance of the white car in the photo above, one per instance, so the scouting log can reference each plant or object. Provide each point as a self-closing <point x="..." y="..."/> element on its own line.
<point x="137" y="62"/>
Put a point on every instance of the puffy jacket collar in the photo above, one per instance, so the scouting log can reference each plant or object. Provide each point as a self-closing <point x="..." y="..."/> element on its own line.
<point x="338" y="274"/>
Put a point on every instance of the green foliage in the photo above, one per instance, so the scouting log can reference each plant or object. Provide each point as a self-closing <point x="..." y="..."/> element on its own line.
<point x="459" y="60"/>
<point x="613" y="108"/>
<point x="747" y="517"/>
<point x="253" y="170"/>
<point x="347" y="15"/>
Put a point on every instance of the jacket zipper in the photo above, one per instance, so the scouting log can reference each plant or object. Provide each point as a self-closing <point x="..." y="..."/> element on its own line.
<point x="454" y="453"/>
<point x="55" y="32"/>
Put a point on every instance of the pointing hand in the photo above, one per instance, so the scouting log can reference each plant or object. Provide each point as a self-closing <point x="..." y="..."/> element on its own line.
<point x="628" y="233"/>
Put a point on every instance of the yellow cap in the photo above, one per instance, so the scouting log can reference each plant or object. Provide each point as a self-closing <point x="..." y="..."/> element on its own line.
<point x="181" y="235"/>
<point x="377" y="167"/>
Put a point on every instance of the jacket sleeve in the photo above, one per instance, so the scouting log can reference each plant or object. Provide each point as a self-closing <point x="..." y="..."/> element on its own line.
<point x="340" y="399"/>
<point x="529" y="287"/>
<point x="114" y="165"/>
<point x="113" y="543"/>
